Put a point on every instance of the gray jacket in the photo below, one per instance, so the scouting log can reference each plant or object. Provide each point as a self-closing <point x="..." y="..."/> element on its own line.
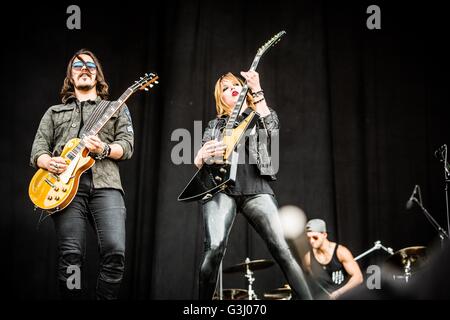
<point x="263" y="146"/>
<point x="61" y="123"/>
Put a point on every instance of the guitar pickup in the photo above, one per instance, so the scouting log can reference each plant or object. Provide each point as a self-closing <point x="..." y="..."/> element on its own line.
<point x="54" y="176"/>
<point x="49" y="183"/>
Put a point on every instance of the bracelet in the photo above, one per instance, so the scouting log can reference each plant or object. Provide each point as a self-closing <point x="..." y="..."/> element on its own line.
<point x="256" y="102"/>
<point x="105" y="153"/>
<point x="258" y="93"/>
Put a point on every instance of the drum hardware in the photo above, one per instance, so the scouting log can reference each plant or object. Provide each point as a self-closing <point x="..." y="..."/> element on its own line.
<point x="376" y="246"/>
<point x="248" y="267"/>
<point x="232" y="294"/>
<point x="407" y="261"/>
<point x="284" y="293"/>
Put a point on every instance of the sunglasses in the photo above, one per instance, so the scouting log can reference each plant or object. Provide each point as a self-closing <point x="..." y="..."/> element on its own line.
<point x="78" y="65"/>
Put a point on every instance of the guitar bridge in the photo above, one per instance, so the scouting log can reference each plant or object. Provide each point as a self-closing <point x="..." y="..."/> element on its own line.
<point x="54" y="176"/>
<point x="49" y="183"/>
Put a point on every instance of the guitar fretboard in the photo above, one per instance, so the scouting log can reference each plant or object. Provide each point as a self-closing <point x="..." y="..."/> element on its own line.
<point x="240" y="102"/>
<point x="243" y="95"/>
<point x="98" y="125"/>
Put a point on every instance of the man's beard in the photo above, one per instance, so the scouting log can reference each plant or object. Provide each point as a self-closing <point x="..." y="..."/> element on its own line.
<point x="85" y="87"/>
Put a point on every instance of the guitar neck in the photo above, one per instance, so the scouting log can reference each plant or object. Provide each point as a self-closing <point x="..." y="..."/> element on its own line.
<point x="108" y="113"/>
<point x="243" y="95"/>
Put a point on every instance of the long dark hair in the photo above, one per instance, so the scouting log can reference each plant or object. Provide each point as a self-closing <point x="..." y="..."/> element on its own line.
<point x="68" y="89"/>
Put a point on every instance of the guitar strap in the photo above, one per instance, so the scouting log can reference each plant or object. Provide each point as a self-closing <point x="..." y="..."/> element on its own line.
<point x="81" y="122"/>
<point x="97" y="112"/>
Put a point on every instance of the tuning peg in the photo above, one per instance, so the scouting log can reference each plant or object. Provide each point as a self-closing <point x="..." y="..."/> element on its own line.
<point x="141" y="78"/>
<point x="156" y="82"/>
<point x="146" y="74"/>
<point x="150" y="85"/>
<point x="146" y="89"/>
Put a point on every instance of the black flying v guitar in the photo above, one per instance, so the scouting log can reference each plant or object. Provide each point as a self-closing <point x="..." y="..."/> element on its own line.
<point x="211" y="179"/>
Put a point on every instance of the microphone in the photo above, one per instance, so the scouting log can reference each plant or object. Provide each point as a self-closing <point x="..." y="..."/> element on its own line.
<point x="410" y="202"/>
<point x="439" y="153"/>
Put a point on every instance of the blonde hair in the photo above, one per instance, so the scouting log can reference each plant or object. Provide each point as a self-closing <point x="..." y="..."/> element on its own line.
<point x="221" y="107"/>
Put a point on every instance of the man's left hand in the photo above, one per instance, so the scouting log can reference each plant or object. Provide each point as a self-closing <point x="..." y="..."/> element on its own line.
<point x="94" y="144"/>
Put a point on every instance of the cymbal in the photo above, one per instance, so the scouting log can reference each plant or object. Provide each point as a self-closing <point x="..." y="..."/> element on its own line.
<point x="283" y="290"/>
<point x="233" y="294"/>
<point x="279" y="293"/>
<point x="252" y="265"/>
<point x="411" y="258"/>
<point x="272" y="296"/>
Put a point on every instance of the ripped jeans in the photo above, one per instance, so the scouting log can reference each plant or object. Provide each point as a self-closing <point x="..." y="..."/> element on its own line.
<point x="262" y="213"/>
<point x="104" y="210"/>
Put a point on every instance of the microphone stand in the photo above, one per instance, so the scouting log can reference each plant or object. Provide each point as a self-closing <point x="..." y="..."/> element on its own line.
<point x="441" y="232"/>
<point x="441" y="154"/>
<point x="447" y="180"/>
<point x="220" y="282"/>
<point x="377" y="246"/>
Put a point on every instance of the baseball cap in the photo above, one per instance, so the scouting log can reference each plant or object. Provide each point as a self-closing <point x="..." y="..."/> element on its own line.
<point x="316" y="225"/>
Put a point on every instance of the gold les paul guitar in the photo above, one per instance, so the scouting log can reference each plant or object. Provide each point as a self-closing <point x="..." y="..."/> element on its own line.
<point x="52" y="192"/>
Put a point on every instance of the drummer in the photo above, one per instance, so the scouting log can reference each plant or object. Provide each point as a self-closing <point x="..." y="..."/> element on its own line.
<point x="332" y="265"/>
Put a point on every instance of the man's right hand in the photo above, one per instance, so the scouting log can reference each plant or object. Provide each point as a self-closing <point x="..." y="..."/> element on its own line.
<point x="55" y="165"/>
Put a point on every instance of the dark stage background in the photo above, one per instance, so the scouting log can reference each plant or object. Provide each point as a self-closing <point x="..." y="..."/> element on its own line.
<point x="361" y="113"/>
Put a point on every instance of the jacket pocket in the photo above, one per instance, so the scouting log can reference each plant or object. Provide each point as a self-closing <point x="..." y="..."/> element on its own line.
<point x="61" y="122"/>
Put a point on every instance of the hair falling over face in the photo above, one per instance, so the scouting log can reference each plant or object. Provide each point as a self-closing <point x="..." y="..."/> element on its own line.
<point x="68" y="90"/>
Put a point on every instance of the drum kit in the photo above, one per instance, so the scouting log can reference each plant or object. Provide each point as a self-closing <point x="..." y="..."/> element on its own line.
<point x="247" y="268"/>
<point x="404" y="263"/>
<point x="401" y="265"/>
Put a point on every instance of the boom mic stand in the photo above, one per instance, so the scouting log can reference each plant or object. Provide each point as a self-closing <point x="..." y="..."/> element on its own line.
<point x="441" y="154"/>
<point x="441" y="232"/>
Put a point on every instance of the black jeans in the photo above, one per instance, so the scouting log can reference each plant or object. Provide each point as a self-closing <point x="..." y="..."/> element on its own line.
<point x="105" y="210"/>
<point x="262" y="213"/>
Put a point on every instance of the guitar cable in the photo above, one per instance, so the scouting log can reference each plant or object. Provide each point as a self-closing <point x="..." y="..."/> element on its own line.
<point x="40" y="219"/>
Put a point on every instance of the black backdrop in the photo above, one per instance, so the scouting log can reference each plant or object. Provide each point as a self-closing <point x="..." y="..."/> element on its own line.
<point x="362" y="112"/>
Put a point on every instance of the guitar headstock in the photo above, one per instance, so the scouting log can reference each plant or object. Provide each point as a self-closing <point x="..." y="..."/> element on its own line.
<point x="149" y="80"/>
<point x="274" y="40"/>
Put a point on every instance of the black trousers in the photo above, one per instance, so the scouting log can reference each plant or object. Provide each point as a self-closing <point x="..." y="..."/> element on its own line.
<point x="262" y="213"/>
<point x="104" y="210"/>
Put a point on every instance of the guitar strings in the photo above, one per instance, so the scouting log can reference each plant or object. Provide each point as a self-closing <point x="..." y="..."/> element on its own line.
<point x="95" y="116"/>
